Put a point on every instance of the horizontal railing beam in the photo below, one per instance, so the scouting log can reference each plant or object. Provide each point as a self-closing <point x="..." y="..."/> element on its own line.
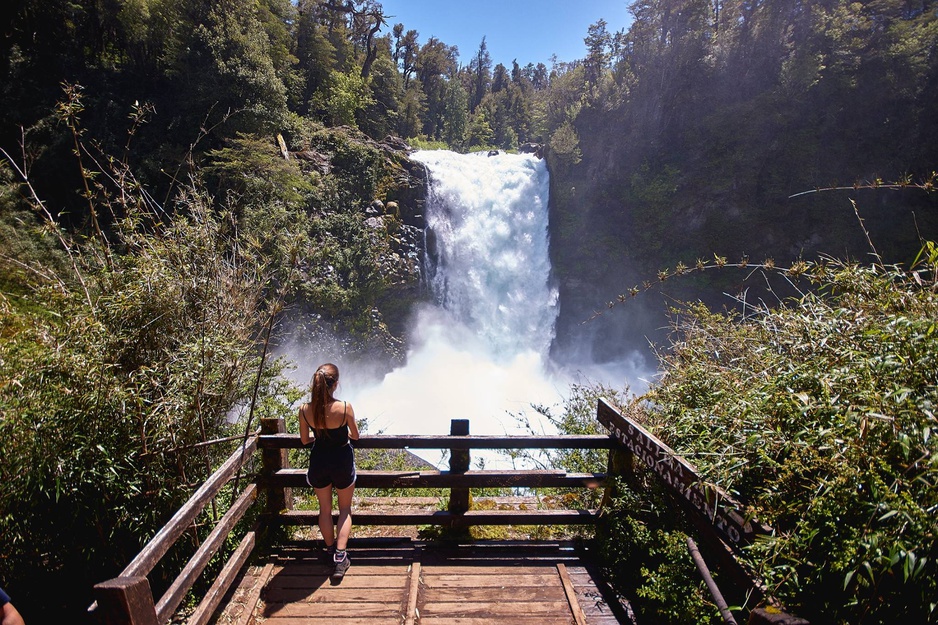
<point x="444" y="479"/>
<point x="447" y="518"/>
<point x="213" y="598"/>
<point x="177" y="591"/>
<point x="150" y="555"/>
<point x="382" y="441"/>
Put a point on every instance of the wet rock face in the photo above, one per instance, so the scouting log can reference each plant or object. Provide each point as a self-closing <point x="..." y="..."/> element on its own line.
<point x="408" y="198"/>
<point x="532" y="148"/>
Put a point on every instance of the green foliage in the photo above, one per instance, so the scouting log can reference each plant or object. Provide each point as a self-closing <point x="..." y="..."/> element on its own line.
<point x="109" y="376"/>
<point x="341" y="98"/>
<point x="642" y="542"/>
<point x="422" y="143"/>
<point x="566" y="145"/>
<point x="652" y="191"/>
<point x="640" y="536"/>
<point x="479" y="134"/>
<point x="820" y="416"/>
<point x="341" y="267"/>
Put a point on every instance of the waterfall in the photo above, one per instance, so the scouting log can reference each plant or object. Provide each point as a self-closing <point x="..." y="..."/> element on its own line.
<point x="487" y="261"/>
<point x="480" y="352"/>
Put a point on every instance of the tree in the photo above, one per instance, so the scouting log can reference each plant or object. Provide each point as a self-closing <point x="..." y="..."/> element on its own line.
<point x="598" y="41"/>
<point x="413" y="108"/>
<point x="480" y="67"/>
<point x="456" y="114"/>
<point x="479" y="133"/>
<point x="500" y="78"/>
<point x="317" y="55"/>
<point x="341" y="98"/>
<point x="386" y="90"/>
<point x="435" y="64"/>
<point x="405" y="53"/>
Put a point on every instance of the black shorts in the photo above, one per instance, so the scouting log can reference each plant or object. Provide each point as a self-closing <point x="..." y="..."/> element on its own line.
<point x="333" y="466"/>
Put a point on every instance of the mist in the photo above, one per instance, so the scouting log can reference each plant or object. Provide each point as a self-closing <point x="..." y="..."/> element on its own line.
<point x="480" y="349"/>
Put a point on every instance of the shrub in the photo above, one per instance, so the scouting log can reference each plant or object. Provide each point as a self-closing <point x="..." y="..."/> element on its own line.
<point x="820" y="417"/>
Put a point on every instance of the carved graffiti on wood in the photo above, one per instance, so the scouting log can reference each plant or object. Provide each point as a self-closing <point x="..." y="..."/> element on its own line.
<point x="711" y="501"/>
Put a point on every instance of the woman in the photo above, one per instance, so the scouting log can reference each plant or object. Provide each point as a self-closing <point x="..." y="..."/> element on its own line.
<point x="331" y="459"/>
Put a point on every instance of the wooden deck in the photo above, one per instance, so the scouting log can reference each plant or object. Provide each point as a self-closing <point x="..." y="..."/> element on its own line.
<point x="402" y="581"/>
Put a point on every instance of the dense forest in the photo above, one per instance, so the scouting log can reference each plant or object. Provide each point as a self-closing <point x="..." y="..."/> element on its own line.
<point x="183" y="180"/>
<point x="687" y="137"/>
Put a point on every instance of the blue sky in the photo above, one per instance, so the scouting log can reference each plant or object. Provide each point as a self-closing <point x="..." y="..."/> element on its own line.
<point x="527" y="30"/>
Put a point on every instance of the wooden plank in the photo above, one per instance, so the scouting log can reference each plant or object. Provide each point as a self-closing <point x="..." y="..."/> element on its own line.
<point x="375" y="556"/>
<point x="514" y="580"/>
<point x="516" y="620"/>
<point x="229" y="573"/>
<point x="710" y="501"/>
<point x="593" y="604"/>
<point x="359" y="609"/>
<point x="486" y="610"/>
<point x="384" y="441"/>
<point x="296" y="478"/>
<point x="251" y="601"/>
<point x="324" y="569"/>
<point x="485" y="568"/>
<point x="332" y="594"/>
<point x="570" y="593"/>
<point x="283" y="582"/>
<point x="273" y="460"/>
<point x="345" y="620"/>
<point x="177" y="591"/>
<point x="414" y="591"/>
<point x="458" y="465"/>
<point x="447" y="518"/>
<point x="154" y="550"/>
<point x="525" y="594"/>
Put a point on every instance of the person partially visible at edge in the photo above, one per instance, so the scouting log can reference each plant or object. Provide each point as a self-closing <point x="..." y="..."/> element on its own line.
<point x="8" y="613"/>
<point x="331" y="460"/>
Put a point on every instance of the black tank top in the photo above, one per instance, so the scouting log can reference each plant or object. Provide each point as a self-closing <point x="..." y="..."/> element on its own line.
<point x="333" y="438"/>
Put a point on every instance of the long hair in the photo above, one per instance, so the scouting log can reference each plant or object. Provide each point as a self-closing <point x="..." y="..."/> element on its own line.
<point x="321" y="388"/>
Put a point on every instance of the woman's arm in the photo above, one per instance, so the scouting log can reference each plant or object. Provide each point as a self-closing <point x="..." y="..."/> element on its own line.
<point x="304" y="426"/>
<point x="10" y="616"/>
<point x="352" y="425"/>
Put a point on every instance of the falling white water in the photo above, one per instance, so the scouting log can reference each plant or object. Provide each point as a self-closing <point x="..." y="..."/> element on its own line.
<point x="487" y="220"/>
<point x="481" y="352"/>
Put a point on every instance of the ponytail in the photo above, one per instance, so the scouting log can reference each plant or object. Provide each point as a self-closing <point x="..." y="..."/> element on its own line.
<point x="321" y="389"/>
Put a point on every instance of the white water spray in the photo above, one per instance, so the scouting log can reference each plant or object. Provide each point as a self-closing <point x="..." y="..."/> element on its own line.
<point x="487" y="220"/>
<point x="481" y="352"/>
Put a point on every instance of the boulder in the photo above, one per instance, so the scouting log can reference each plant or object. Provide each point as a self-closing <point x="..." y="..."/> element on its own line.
<point x="319" y="161"/>
<point x="532" y="148"/>
<point x="396" y="143"/>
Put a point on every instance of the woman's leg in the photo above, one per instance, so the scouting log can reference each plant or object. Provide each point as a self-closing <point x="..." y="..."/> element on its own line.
<point x="324" y="495"/>
<point x="345" y="516"/>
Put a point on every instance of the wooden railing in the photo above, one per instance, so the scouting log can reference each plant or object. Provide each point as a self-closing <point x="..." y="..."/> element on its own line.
<point x="459" y="479"/>
<point x="128" y="600"/>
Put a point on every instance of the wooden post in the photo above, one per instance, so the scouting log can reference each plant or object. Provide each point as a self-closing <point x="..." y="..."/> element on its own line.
<point x="621" y="463"/>
<point x="125" y="601"/>
<point x="273" y="460"/>
<point x="459" y="463"/>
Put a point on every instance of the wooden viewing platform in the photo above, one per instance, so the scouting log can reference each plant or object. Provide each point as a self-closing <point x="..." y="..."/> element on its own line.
<point x="408" y="581"/>
<point x="398" y="581"/>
